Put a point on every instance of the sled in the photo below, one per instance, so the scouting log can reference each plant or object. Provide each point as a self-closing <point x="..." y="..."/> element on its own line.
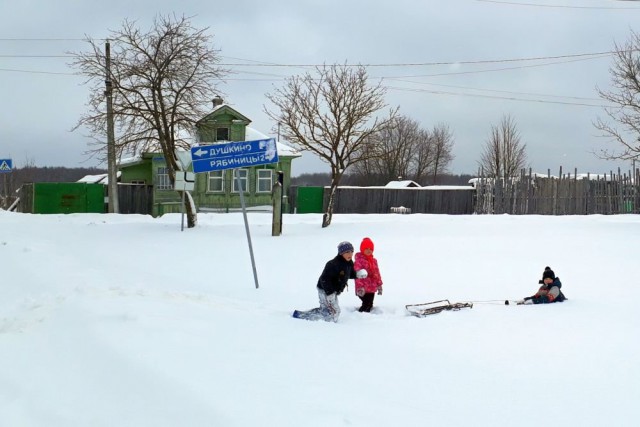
<point x="433" y="307"/>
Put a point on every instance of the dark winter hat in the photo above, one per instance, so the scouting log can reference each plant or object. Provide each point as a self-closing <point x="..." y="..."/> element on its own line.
<point x="548" y="274"/>
<point x="366" y="244"/>
<point x="344" y="247"/>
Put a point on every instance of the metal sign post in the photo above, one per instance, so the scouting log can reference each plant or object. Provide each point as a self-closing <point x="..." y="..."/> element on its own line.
<point x="246" y="226"/>
<point x="185" y="181"/>
<point x="235" y="155"/>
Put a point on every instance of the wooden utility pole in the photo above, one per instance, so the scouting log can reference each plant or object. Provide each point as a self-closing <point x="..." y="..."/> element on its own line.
<point x="112" y="187"/>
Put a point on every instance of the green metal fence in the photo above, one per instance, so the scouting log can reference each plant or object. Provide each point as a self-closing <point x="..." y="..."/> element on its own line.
<point x="67" y="197"/>
<point x="309" y="199"/>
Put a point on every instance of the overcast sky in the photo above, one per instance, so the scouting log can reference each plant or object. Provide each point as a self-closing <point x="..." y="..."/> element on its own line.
<point x="475" y="82"/>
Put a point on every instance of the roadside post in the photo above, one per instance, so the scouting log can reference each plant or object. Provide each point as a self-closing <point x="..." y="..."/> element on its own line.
<point x="6" y="167"/>
<point x="185" y="181"/>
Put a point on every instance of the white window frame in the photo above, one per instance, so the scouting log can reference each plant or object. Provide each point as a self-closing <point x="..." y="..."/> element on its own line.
<point x="162" y="179"/>
<point x="244" y="180"/>
<point x="215" y="176"/>
<point x="264" y="176"/>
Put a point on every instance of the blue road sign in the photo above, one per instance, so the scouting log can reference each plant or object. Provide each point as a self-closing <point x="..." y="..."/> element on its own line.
<point x="6" y="165"/>
<point x="233" y="155"/>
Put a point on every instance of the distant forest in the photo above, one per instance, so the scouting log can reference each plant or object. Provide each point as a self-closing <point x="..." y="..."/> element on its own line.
<point x="324" y="179"/>
<point x="19" y="176"/>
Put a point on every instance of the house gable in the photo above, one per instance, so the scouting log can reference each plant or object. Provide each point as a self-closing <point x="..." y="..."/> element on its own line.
<point x="222" y="124"/>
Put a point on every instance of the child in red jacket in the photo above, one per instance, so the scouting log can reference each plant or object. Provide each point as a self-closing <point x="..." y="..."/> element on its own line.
<point x="367" y="284"/>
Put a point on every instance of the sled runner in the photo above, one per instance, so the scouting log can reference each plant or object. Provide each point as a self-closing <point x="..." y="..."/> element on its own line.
<point x="433" y="307"/>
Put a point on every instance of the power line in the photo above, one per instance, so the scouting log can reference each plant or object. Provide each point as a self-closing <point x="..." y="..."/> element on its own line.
<point x="36" y="56"/>
<point x="36" y="72"/>
<point x="503" y="91"/>
<point x="400" y="64"/>
<point x="490" y="70"/>
<point x="581" y="57"/>
<point x="40" y="40"/>
<point x="557" y="6"/>
<point x="509" y="98"/>
<point x="421" y="64"/>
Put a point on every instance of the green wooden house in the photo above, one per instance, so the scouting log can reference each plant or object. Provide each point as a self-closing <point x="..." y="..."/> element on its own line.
<point x="214" y="191"/>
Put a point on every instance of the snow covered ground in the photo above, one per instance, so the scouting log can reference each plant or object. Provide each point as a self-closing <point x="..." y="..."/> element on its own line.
<point x="113" y="320"/>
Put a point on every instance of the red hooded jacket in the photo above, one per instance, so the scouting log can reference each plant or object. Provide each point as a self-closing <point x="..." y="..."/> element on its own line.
<point x="370" y="264"/>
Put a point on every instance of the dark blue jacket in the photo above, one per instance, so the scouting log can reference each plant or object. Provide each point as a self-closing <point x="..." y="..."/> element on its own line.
<point x="335" y="275"/>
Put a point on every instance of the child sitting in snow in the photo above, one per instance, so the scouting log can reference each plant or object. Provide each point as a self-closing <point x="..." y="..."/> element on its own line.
<point x="367" y="287"/>
<point x="331" y="283"/>
<point x="548" y="292"/>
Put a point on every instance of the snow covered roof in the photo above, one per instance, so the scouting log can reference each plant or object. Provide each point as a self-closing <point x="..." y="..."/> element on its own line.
<point x="128" y="161"/>
<point x="93" y="179"/>
<point x="97" y="179"/>
<point x="252" y="134"/>
<point x="402" y="184"/>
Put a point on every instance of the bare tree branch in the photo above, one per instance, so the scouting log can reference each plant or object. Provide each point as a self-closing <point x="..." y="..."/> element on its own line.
<point x="403" y="149"/>
<point x="625" y="97"/>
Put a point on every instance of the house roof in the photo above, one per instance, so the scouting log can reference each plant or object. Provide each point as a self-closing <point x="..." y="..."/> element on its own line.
<point x="97" y="179"/>
<point x="220" y="108"/>
<point x="252" y="134"/>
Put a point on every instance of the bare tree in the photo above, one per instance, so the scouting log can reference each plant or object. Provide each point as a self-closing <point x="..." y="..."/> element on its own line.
<point x="422" y="156"/>
<point x="403" y="149"/>
<point x="442" y="142"/>
<point x="625" y="97"/>
<point x="162" y="79"/>
<point x="388" y="153"/>
<point x="504" y="154"/>
<point x="330" y="114"/>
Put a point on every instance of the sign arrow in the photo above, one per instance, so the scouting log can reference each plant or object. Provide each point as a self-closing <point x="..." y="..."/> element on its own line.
<point x="200" y="152"/>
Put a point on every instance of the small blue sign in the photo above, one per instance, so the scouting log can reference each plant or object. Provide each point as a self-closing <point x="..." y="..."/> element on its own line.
<point x="6" y="165"/>
<point x="233" y="155"/>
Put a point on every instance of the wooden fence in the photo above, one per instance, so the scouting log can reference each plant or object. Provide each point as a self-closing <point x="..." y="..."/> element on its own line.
<point x="416" y="200"/>
<point x="528" y="194"/>
<point x="135" y="198"/>
<point x="568" y="194"/>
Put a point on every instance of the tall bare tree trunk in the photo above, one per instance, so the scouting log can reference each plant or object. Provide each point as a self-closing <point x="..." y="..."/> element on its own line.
<point x="192" y="214"/>
<point x="328" y="215"/>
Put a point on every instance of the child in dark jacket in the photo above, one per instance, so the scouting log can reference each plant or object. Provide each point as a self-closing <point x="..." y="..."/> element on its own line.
<point x="367" y="286"/>
<point x="548" y="292"/>
<point x="331" y="283"/>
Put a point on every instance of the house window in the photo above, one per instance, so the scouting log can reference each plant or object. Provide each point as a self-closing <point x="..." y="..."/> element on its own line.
<point x="216" y="182"/>
<point x="222" y="134"/>
<point x="162" y="179"/>
<point x="243" y="174"/>
<point x="264" y="180"/>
